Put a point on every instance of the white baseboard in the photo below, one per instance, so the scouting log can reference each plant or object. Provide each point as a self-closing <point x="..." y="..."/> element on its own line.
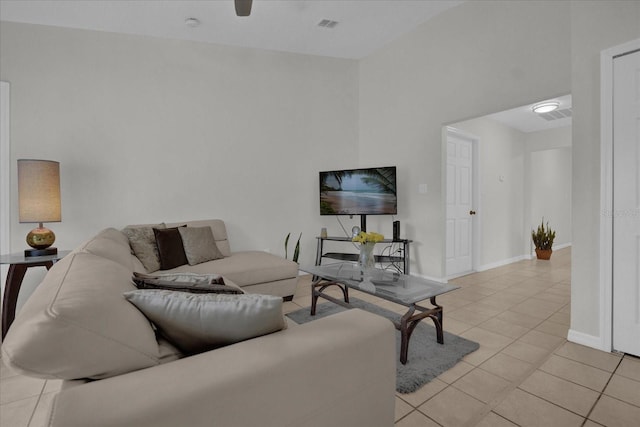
<point x="455" y="276"/>
<point x="501" y="263"/>
<point x="517" y="258"/>
<point x="555" y="248"/>
<point x="562" y="246"/>
<point x="433" y="279"/>
<point x="592" y="341"/>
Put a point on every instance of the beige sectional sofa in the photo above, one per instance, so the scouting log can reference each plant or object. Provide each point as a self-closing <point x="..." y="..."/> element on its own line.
<point x="119" y="371"/>
<point x="254" y="271"/>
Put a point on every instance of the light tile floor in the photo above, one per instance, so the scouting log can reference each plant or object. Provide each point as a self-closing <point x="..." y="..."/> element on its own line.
<point x="525" y="372"/>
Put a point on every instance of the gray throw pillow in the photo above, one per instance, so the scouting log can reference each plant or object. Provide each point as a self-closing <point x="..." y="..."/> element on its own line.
<point x="199" y="244"/>
<point x="143" y="244"/>
<point x="199" y="322"/>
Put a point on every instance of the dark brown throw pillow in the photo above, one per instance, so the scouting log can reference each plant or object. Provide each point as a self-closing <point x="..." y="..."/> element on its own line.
<point x="170" y="248"/>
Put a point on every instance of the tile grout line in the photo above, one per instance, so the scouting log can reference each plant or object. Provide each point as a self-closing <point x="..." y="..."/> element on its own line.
<point x="603" y="389"/>
<point x="35" y="408"/>
<point x="513" y="385"/>
<point x="421" y="413"/>
<point x="499" y="398"/>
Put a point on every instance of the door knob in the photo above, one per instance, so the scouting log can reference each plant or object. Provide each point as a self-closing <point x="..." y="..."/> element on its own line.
<point x="472" y="212"/>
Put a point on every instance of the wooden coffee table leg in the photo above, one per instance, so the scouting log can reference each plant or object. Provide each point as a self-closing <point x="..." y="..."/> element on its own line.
<point x="410" y="320"/>
<point x="406" y="327"/>
<point x="437" y="320"/>
<point x="317" y="289"/>
<point x="314" y="297"/>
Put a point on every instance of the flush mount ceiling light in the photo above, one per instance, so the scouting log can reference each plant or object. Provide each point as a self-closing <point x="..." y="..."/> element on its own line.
<point x="545" y="107"/>
<point x="192" y="22"/>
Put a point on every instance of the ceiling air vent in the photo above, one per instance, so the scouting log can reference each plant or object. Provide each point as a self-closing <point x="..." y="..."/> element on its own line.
<point x="327" y="23"/>
<point x="557" y="114"/>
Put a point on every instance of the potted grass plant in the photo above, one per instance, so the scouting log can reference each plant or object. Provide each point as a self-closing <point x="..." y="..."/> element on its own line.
<point x="296" y="251"/>
<point x="543" y="240"/>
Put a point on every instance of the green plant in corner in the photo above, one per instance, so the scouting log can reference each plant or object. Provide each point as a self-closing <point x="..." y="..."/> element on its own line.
<point x="296" y="251"/>
<point x="543" y="240"/>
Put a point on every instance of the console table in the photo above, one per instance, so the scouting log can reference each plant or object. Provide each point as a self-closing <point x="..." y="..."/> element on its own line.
<point x="18" y="265"/>
<point x="345" y="256"/>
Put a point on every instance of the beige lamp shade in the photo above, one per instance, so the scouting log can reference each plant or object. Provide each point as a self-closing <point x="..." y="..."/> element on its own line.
<point x="39" y="191"/>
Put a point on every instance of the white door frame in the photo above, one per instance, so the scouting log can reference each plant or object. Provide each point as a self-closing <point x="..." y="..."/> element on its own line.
<point x="606" y="190"/>
<point x="477" y="218"/>
<point x="5" y="168"/>
<point x="5" y="178"/>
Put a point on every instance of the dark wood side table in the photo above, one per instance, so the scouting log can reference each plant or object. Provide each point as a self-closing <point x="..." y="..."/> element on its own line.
<point x="18" y="265"/>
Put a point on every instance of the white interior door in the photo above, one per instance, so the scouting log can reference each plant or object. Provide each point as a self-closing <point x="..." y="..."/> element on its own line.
<point x="459" y="225"/>
<point x="626" y="203"/>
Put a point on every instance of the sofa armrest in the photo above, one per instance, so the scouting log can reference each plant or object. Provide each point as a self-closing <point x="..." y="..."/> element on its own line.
<point x="339" y="371"/>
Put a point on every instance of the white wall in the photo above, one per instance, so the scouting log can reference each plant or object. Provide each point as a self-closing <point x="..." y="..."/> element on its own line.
<point x="473" y="60"/>
<point x="150" y="130"/>
<point x="550" y="139"/>
<point x="548" y="183"/>
<point x="501" y="179"/>
<point x="113" y="108"/>
<point x="536" y="172"/>
<point x="595" y="26"/>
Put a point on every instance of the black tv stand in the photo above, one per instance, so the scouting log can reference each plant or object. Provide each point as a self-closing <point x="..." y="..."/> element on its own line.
<point x="403" y="258"/>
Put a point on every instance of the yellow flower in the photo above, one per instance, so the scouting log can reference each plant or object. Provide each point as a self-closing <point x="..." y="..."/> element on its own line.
<point x="364" y="237"/>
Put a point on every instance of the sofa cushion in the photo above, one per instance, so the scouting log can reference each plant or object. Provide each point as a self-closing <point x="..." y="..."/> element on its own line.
<point x="76" y="324"/>
<point x="111" y="244"/>
<point x="217" y="227"/>
<point x="184" y="277"/>
<point x="200" y="322"/>
<point x="170" y="248"/>
<point x="143" y="243"/>
<point x="199" y="245"/>
<point x="194" y="288"/>
<point x="203" y="287"/>
<point x="219" y="232"/>
<point x="247" y="268"/>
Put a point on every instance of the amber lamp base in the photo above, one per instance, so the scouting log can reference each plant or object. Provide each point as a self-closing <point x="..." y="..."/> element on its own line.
<point x="40" y="239"/>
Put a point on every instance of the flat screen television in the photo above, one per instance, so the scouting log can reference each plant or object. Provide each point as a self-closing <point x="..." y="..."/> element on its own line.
<point x="370" y="191"/>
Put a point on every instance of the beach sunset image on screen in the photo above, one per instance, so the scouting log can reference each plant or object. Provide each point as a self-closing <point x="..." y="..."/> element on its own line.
<point x="369" y="191"/>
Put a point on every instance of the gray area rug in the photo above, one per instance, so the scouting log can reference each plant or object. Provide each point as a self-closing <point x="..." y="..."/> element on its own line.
<point x="427" y="358"/>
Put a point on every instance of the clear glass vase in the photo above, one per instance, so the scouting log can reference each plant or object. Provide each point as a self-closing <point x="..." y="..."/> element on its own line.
<point x="367" y="259"/>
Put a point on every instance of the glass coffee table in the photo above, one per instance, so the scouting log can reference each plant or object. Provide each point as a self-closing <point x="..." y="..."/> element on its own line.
<point x="399" y="288"/>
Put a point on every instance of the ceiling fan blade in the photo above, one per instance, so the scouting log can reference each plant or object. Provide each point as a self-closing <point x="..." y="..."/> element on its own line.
<point x="243" y="7"/>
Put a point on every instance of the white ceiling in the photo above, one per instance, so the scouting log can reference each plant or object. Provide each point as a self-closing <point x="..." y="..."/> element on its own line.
<point x="282" y="25"/>
<point x="525" y="120"/>
<point x="289" y="25"/>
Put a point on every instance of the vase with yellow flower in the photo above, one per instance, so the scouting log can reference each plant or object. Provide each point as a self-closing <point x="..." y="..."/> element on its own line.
<point x="367" y="242"/>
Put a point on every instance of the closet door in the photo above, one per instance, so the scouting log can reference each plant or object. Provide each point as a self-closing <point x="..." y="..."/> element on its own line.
<point x="626" y="203"/>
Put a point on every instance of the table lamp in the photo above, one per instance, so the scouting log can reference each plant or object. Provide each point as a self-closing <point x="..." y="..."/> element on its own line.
<point x="39" y="201"/>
